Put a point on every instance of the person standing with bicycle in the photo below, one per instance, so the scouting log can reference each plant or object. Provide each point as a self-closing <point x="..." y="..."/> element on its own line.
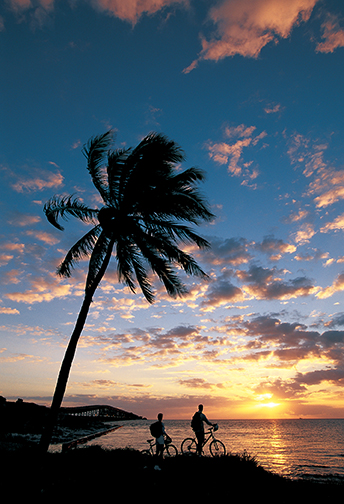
<point x="160" y="440"/>
<point x="197" y="424"/>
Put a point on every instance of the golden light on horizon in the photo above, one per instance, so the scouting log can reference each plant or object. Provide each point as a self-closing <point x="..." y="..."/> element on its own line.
<point x="269" y="405"/>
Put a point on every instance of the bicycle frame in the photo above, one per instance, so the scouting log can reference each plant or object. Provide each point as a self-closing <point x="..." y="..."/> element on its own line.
<point x="211" y="435"/>
<point x="168" y="450"/>
<point x="216" y="447"/>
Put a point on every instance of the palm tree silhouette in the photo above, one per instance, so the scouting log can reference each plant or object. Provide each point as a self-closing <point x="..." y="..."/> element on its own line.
<point x="147" y="203"/>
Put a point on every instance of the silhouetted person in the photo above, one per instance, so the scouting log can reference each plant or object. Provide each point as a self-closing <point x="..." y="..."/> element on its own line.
<point x="160" y="440"/>
<point x="159" y="434"/>
<point x="198" y="427"/>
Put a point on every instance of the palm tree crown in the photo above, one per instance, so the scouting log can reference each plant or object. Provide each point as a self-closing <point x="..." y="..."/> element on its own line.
<point x="147" y="203"/>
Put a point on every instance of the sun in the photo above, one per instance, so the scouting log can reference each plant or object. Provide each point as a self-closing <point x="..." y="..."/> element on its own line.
<point x="270" y="405"/>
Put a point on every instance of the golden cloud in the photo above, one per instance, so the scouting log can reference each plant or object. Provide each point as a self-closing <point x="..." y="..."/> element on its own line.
<point x="38" y="183"/>
<point x="42" y="289"/>
<point x="337" y="286"/>
<point x="333" y="35"/>
<point x="47" y="238"/>
<point x="246" y="27"/>
<point x="132" y="10"/>
<point x="9" y="311"/>
<point x="230" y="153"/>
<point x="338" y="223"/>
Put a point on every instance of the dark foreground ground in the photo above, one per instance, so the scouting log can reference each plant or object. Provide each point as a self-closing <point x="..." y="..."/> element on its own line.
<point x="93" y="474"/>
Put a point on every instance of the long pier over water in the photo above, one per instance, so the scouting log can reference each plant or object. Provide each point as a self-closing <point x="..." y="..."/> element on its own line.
<point x="100" y="412"/>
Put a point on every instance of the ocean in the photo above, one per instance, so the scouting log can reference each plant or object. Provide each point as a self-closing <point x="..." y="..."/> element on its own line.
<point x="307" y="449"/>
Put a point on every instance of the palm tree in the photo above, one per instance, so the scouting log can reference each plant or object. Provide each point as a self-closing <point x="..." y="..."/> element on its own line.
<point x="147" y="205"/>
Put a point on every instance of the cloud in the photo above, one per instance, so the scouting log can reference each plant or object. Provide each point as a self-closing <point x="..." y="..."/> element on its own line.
<point x="5" y="259"/>
<point x="9" y="311"/>
<point x="290" y="343"/>
<point x="45" y="181"/>
<point x="304" y="234"/>
<point x="333" y="35"/>
<point x="222" y="292"/>
<point x="326" y="183"/>
<point x="132" y="10"/>
<point x="315" y="255"/>
<point x="332" y="375"/>
<point x="281" y="389"/>
<point x="273" y="109"/>
<point x="38" y="11"/>
<point x="336" y="224"/>
<point x="43" y="236"/>
<point x="21" y="219"/>
<point x="230" y="152"/>
<point x="295" y="216"/>
<point x="199" y="383"/>
<point x="230" y="251"/>
<point x="275" y="248"/>
<point x="265" y="283"/>
<point x="244" y="28"/>
<point x="337" y="286"/>
<point x="42" y="289"/>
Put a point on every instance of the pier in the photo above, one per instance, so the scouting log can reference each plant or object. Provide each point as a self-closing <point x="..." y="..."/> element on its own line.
<point x="102" y="413"/>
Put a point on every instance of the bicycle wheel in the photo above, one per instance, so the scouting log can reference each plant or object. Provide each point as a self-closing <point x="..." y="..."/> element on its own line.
<point x="189" y="446"/>
<point x="170" y="451"/>
<point x="146" y="453"/>
<point x="217" y="448"/>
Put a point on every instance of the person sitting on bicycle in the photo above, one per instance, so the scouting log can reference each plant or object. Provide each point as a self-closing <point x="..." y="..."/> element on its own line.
<point x="198" y="427"/>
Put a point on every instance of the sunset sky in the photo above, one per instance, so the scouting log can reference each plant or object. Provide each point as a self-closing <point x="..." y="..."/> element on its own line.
<point x="252" y="90"/>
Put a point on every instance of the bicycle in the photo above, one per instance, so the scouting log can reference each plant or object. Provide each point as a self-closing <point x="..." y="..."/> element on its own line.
<point x="216" y="447"/>
<point x="169" y="449"/>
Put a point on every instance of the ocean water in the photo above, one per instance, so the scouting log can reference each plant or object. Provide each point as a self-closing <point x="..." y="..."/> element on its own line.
<point x="308" y="449"/>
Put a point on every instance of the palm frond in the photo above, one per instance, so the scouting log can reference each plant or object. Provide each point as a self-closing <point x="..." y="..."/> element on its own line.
<point x="166" y="246"/>
<point x="116" y="167"/>
<point x="139" y="268"/>
<point x="149" y="165"/>
<point x="82" y="248"/>
<point x="96" y="151"/>
<point x="124" y="263"/>
<point x="176" y="232"/>
<point x="160" y="253"/>
<point x="100" y="251"/>
<point x="67" y="206"/>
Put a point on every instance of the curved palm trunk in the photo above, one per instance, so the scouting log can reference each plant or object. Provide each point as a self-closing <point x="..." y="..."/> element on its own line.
<point x="66" y="365"/>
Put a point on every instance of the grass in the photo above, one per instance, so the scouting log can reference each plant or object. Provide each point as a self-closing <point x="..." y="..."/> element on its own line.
<point x="92" y="473"/>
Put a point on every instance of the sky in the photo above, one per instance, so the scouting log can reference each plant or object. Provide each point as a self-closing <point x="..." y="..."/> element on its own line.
<point x="252" y="91"/>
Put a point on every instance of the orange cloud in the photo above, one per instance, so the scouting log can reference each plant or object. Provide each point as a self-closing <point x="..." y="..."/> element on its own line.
<point x="327" y="185"/>
<point x="304" y="234"/>
<point x="338" y="223"/>
<point x="44" y="237"/>
<point x="9" y="311"/>
<point x="337" y="286"/>
<point x="333" y="36"/>
<point x="5" y="259"/>
<point x="42" y="289"/>
<point x="20" y="5"/>
<point x="246" y="27"/>
<point x="132" y="10"/>
<point x="46" y="180"/>
<point x="22" y="220"/>
<point x="230" y="153"/>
